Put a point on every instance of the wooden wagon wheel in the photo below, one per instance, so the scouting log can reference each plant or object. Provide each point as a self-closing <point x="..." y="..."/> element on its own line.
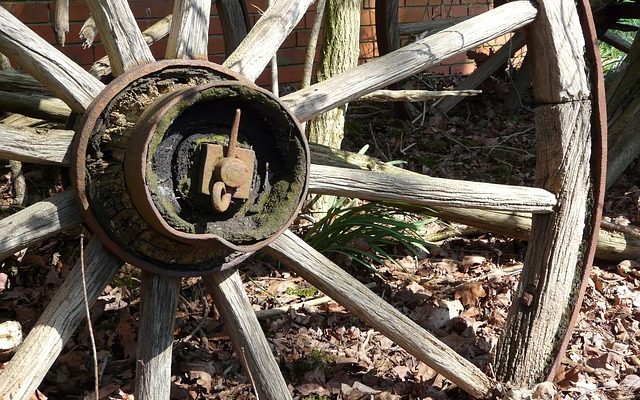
<point x="151" y="148"/>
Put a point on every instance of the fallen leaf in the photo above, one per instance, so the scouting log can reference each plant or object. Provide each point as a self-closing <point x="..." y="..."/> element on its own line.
<point x="469" y="293"/>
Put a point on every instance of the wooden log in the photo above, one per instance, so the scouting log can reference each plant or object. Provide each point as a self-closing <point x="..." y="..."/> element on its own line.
<point x="266" y="36"/>
<point x="61" y="20"/>
<point x="120" y="35"/>
<point x="483" y="72"/>
<point x="14" y="81"/>
<point x="37" y="106"/>
<point x="428" y="191"/>
<point x="189" y="32"/>
<point x="235" y="23"/>
<point x="250" y="344"/>
<point x="38" y="221"/>
<point x="155" y="336"/>
<point x="316" y="99"/>
<point x="54" y="70"/>
<point x="357" y="298"/>
<point x="416" y="95"/>
<point x="35" y="145"/>
<point x="151" y="35"/>
<point x="611" y="246"/>
<point x="424" y="28"/>
<point x="22" y="375"/>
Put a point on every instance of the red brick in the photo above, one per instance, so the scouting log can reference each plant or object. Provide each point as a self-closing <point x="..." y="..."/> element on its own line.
<point x="291" y="56"/>
<point x="158" y="49"/>
<point x="151" y="9"/>
<point x="78" y="10"/>
<point x="78" y="54"/>
<point x="367" y="17"/>
<point x="215" y="26"/>
<point x="367" y="34"/>
<point x="29" y="12"/>
<point x="462" y="69"/>
<point x="289" y="41"/>
<point x="216" y="45"/>
<point x="254" y="5"/>
<point x="45" y="31"/>
<point x="440" y="69"/>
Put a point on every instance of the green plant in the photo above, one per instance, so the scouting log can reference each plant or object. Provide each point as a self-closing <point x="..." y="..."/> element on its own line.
<point x="612" y="57"/>
<point x="364" y="232"/>
<point x="301" y="291"/>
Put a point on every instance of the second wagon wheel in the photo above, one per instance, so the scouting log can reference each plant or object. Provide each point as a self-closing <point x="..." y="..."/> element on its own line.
<point x="184" y="167"/>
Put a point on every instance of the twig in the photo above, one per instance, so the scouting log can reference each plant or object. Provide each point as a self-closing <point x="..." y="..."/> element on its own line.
<point x="201" y="323"/>
<point x="89" y="325"/>
<point x="253" y="382"/>
<point x="415" y="95"/>
<point x="271" y="312"/>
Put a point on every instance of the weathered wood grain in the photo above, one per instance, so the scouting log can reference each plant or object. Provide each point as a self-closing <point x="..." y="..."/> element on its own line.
<point x="151" y="35"/>
<point x="22" y="375"/>
<point x="266" y="36"/>
<point x="38" y="221"/>
<point x="155" y="336"/>
<point x="54" y="70"/>
<point x="423" y="28"/>
<point x="14" y="81"/>
<point x="357" y="298"/>
<point x="428" y="191"/>
<point x="416" y="95"/>
<point x="189" y="34"/>
<point x="233" y="18"/>
<point x="61" y="20"/>
<point x="249" y="341"/>
<point x="558" y="47"/>
<point x="382" y="71"/>
<point x="120" y="34"/>
<point x="542" y="305"/>
<point x="34" y="105"/>
<point x="35" y="145"/>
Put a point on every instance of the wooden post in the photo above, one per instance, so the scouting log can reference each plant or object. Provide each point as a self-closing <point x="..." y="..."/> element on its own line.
<point x="155" y="336"/>
<point x="21" y="376"/>
<point x="249" y="341"/>
<point x="189" y="33"/>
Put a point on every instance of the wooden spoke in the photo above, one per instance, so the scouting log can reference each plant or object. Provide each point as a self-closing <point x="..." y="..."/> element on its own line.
<point x="21" y="376"/>
<point x="231" y="12"/>
<point x="155" y="336"/>
<point x="411" y="59"/>
<point x="428" y="191"/>
<point x="346" y="290"/>
<point x="266" y="36"/>
<point x="14" y="81"/>
<point x="38" y="221"/>
<point x="151" y="35"/>
<point x="429" y="27"/>
<point x="33" y="105"/>
<point x="35" y="145"/>
<point x="249" y="341"/>
<point x="120" y="34"/>
<point x="63" y="77"/>
<point x="189" y="34"/>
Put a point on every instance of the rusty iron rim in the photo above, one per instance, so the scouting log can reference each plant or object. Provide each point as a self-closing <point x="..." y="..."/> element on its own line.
<point x="135" y="170"/>
<point x="79" y="150"/>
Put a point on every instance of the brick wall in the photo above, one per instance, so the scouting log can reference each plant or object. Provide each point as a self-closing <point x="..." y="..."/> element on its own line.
<point x="38" y="15"/>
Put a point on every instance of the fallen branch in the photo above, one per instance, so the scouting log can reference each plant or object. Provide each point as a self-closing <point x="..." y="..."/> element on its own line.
<point x="416" y="95"/>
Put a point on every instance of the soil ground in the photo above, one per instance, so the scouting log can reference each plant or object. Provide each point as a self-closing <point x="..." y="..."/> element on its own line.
<point x="461" y="290"/>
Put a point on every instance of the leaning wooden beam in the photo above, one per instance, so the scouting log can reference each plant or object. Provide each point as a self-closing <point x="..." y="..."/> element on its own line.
<point x="35" y="145"/>
<point x="249" y="341"/>
<point x="37" y="106"/>
<point x="63" y="77"/>
<point x="348" y="291"/>
<point x="38" y="221"/>
<point x="22" y="375"/>
<point x="382" y="71"/>
<point x="428" y="191"/>
<point x="416" y="95"/>
<point x="428" y="27"/>
<point x="484" y="71"/>
<point x="120" y="34"/>
<point x="155" y="336"/>
<point x="611" y="246"/>
<point x="266" y="36"/>
<point x="153" y="34"/>
<point x="616" y="41"/>
<point x="189" y="33"/>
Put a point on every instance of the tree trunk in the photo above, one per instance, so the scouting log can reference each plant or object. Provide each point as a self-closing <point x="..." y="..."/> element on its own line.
<point x="340" y="52"/>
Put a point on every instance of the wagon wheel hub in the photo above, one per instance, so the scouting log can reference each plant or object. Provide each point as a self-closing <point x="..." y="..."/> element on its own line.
<point x="170" y="177"/>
